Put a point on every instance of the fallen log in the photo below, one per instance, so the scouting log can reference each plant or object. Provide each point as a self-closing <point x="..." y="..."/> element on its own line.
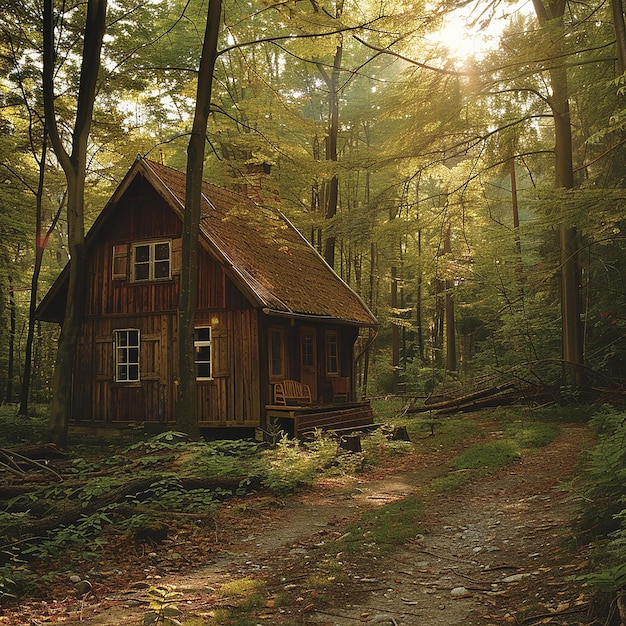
<point x="501" y="397"/>
<point x="452" y="402"/>
<point x="74" y="510"/>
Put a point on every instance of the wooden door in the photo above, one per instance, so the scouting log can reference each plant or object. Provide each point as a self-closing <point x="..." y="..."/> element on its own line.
<point x="308" y="360"/>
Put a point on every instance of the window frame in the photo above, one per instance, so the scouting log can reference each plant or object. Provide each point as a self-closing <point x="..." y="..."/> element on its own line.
<point x="152" y="262"/>
<point x="198" y="344"/>
<point x="122" y="353"/>
<point x="276" y="350"/>
<point x="331" y="353"/>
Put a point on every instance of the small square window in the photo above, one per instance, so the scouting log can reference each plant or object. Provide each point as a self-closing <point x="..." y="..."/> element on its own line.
<point x="152" y="261"/>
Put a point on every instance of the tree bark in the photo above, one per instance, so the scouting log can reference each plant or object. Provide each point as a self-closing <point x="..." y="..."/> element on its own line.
<point x="331" y="196"/>
<point x="187" y="410"/>
<point x="449" y="312"/>
<point x="395" y="333"/>
<point x="617" y="7"/>
<point x="74" y="166"/>
<point x="11" y="356"/>
<point x="552" y="14"/>
<point x="40" y="246"/>
<point x="332" y="193"/>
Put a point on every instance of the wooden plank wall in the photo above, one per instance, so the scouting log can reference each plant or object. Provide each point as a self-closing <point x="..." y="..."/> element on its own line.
<point x="232" y="398"/>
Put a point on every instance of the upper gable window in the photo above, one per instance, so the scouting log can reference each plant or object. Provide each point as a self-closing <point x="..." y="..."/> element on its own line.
<point x="152" y="261"/>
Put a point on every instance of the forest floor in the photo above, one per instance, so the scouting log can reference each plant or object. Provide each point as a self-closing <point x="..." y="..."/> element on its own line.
<point x="498" y="550"/>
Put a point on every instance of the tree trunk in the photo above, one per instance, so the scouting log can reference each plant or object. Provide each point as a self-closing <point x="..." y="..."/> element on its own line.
<point x="395" y="333"/>
<point x="449" y="312"/>
<point x="40" y="247"/>
<point x="332" y="199"/>
<point x="552" y="14"/>
<point x="11" y="356"/>
<point x="74" y="168"/>
<point x="419" y="322"/>
<point x="617" y="7"/>
<point x="187" y="410"/>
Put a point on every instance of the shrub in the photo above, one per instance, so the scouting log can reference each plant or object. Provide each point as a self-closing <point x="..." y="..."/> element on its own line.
<point x="602" y="506"/>
<point x="291" y="464"/>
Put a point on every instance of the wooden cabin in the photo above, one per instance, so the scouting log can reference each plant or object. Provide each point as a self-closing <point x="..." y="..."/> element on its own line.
<point x="275" y="326"/>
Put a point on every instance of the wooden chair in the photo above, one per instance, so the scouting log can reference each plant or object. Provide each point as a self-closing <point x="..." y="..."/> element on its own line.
<point x="341" y="389"/>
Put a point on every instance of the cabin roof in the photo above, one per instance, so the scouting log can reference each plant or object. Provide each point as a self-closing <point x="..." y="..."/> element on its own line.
<point x="264" y="254"/>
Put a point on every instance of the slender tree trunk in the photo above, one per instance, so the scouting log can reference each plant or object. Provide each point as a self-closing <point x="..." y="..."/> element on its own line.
<point x="40" y="246"/>
<point x="552" y="14"/>
<point x="11" y="356"/>
<point x="419" y="321"/>
<point x="617" y="7"/>
<point x="74" y="168"/>
<point x="187" y="410"/>
<point x="395" y="332"/>
<point x="331" y="196"/>
<point x="449" y="313"/>
<point x="372" y="284"/>
<point x="332" y="199"/>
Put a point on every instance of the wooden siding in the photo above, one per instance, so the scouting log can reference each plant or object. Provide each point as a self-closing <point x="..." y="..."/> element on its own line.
<point x="147" y="218"/>
<point x="240" y="388"/>
<point x="232" y="398"/>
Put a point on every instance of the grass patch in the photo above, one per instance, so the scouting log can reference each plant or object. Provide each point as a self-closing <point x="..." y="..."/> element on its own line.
<point x="488" y="455"/>
<point x="451" y="482"/>
<point x="242" y="586"/>
<point x="329" y="572"/>
<point x="385" y="528"/>
<point x="532" y="435"/>
<point x="245" y="596"/>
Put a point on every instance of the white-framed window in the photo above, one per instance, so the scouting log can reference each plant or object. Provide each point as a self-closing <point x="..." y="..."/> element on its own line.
<point x="332" y="353"/>
<point x="202" y="348"/>
<point x="152" y="260"/>
<point x="126" y="348"/>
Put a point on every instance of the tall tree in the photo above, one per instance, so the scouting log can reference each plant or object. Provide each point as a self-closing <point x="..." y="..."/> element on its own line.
<point x="551" y="14"/>
<point x="74" y="165"/>
<point x="187" y="415"/>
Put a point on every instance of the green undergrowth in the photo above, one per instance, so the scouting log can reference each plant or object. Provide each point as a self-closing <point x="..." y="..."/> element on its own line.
<point x="170" y="476"/>
<point x="600" y="491"/>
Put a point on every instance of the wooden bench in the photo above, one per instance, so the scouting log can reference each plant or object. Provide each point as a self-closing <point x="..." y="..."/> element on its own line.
<point x="292" y="392"/>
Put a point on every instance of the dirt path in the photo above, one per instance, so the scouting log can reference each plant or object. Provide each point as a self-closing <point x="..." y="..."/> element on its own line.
<point x="491" y="553"/>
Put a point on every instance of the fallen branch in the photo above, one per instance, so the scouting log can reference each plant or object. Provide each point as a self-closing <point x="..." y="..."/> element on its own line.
<point x="75" y="510"/>
<point x="12" y="455"/>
